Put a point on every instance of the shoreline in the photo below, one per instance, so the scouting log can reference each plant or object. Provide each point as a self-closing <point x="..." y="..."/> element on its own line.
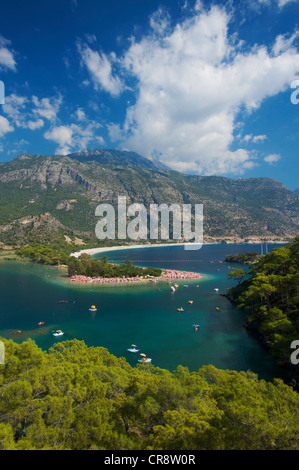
<point x="167" y="275"/>
<point x="93" y="251"/>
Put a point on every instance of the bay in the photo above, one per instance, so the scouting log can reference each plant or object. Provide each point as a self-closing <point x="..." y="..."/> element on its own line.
<point x="145" y="315"/>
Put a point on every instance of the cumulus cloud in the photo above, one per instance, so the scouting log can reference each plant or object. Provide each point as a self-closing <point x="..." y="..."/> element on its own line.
<point x="27" y="112"/>
<point x="5" y="126"/>
<point x="47" y="108"/>
<point x="273" y="158"/>
<point x="7" y="56"/>
<point x="192" y="81"/>
<point x="73" y="136"/>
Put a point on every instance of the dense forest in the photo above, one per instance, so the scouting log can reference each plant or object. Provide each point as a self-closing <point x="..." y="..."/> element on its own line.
<point x="270" y="296"/>
<point x="83" y="398"/>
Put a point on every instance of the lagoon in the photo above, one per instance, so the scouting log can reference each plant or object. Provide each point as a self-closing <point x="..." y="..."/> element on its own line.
<point x="143" y="314"/>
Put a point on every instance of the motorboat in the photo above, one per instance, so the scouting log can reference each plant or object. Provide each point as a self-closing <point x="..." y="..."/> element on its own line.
<point x="144" y="358"/>
<point x="180" y="309"/>
<point x="133" y="349"/>
<point x="93" y="308"/>
<point x="58" y="333"/>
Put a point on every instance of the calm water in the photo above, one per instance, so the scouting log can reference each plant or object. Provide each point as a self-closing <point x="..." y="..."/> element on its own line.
<point x="145" y="315"/>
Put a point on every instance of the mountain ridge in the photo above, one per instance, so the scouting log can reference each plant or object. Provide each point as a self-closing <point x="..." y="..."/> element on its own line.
<point x="70" y="187"/>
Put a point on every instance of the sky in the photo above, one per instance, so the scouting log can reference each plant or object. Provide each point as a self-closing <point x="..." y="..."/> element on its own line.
<point x="208" y="88"/>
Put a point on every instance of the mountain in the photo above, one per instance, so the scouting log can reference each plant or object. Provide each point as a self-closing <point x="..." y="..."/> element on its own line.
<point x="117" y="157"/>
<point x="43" y="195"/>
<point x="296" y="191"/>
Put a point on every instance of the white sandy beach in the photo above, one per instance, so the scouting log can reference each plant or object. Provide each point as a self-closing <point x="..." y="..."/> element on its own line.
<point x="93" y="251"/>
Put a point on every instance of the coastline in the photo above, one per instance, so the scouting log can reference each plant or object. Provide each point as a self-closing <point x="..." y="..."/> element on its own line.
<point x="93" y="251"/>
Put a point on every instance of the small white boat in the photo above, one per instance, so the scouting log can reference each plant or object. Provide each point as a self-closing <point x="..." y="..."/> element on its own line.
<point x="144" y="358"/>
<point x="133" y="350"/>
<point x="216" y="289"/>
<point x="58" y="333"/>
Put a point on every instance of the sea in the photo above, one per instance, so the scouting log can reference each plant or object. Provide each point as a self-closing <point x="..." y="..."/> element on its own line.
<point x="145" y="315"/>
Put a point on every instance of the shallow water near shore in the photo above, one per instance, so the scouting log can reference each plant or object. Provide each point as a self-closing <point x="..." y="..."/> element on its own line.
<point x="143" y="314"/>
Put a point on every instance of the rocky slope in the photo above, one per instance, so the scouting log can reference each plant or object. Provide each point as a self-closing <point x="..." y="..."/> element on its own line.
<point x="62" y="192"/>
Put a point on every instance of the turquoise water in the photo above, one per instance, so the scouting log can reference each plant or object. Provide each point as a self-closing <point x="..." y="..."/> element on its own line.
<point x="145" y="315"/>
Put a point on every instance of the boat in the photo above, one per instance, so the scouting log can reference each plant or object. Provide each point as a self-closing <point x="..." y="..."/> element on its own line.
<point x="173" y="289"/>
<point x="185" y="285"/>
<point x="144" y="358"/>
<point x="58" y="333"/>
<point x="176" y="285"/>
<point x="190" y="301"/>
<point x="216" y="289"/>
<point x="133" y="348"/>
<point x="217" y="308"/>
<point x="93" y="308"/>
<point x="41" y="323"/>
<point x="180" y="309"/>
<point x="196" y="327"/>
<point x="63" y="301"/>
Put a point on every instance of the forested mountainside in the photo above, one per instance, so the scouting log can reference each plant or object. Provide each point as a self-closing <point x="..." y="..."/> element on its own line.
<point x="46" y="194"/>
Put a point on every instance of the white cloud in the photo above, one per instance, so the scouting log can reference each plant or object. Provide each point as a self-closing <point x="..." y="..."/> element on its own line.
<point x="26" y="112"/>
<point x="100" y="68"/>
<point x="192" y="81"/>
<point x="254" y="138"/>
<point x="282" y="43"/>
<point x="5" y="126"/>
<point x="273" y="158"/>
<point x="282" y="3"/>
<point x="62" y="135"/>
<point x="270" y="3"/>
<point x="7" y="59"/>
<point x="80" y="114"/>
<point x="14" y="107"/>
<point x="47" y="108"/>
<point x="33" y="125"/>
<point x="73" y="136"/>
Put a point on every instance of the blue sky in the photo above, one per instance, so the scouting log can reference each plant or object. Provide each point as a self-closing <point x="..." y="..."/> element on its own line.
<point x="204" y="86"/>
